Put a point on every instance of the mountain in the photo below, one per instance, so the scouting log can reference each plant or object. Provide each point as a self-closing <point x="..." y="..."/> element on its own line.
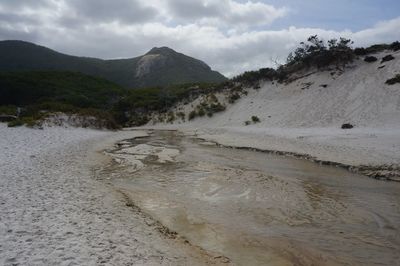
<point x="159" y="67"/>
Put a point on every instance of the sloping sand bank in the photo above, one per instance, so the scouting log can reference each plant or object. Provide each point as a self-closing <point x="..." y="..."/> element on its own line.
<point x="372" y="152"/>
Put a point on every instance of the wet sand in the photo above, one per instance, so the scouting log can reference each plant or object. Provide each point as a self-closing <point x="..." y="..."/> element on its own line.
<point x="257" y="208"/>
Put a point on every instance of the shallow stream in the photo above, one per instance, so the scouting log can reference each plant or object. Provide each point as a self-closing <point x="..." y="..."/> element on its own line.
<point x="257" y="208"/>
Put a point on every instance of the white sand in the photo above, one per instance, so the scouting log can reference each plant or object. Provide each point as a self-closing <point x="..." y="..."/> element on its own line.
<point x="52" y="211"/>
<point x="356" y="147"/>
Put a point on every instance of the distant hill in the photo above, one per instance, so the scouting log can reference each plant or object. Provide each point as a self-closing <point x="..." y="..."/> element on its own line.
<point x="159" y="67"/>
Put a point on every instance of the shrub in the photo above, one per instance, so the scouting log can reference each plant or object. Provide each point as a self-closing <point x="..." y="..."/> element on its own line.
<point x="255" y="119"/>
<point x="15" y="123"/>
<point x="394" y="80"/>
<point x="8" y="110"/>
<point x="201" y="112"/>
<point x="171" y="117"/>
<point x="316" y="53"/>
<point x="234" y="97"/>
<point x="389" y="57"/>
<point x="251" y="78"/>
<point x="395" y="46"/>
<point x="347" y="126"/>
<point x="377" y="48"/>
<point x="370" y="59"/>
<point x="181" y="115"/>
<point x="30" y="121"/>
<point x="360" y="51"/>
<point x="237" y="88"/>
<point x="138" y="120"/>
<point x="209" y="109"/>
<point x="216" y="107"/>
<point x="192" y="115"/>
<point x="105" y="119"/>
<point x="160" y="118"/>
<point x="203" y="105"/>
<point x="7" y="118"/>
<point x="212" y="98"/>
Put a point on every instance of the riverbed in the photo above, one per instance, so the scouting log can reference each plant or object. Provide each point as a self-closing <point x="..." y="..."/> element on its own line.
<point x="256" y="208"/>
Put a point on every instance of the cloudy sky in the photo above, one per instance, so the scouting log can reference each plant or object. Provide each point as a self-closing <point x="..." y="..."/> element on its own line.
<point x="230" y="35"/>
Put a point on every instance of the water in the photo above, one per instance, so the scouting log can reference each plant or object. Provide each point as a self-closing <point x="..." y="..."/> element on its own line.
<point x="263" y="209"/>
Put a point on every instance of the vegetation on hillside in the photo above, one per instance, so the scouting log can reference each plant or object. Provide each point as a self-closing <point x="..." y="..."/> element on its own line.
<point x="313" y="53"/>
<point x="137" y="105"/>
<point x="395" y="46"/>
<point x="318" y="53"/>
<point x="208" y="106"/>
<point x="40" y="93"/>
<point x="250" y="78"/>
<point x="70" y="88"/>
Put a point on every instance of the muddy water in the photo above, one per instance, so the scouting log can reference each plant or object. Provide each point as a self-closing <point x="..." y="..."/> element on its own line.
<point x="262" y="209"/>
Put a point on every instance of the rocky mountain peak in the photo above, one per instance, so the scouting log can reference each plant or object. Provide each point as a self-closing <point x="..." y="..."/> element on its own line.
<point x="161" y="50"/>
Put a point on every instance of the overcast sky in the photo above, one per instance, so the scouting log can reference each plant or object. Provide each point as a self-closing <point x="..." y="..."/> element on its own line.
<point x="230" y="35"/>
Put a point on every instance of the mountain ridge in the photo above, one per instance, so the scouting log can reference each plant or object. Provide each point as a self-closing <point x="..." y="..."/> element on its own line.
<point x="160" y="66"/>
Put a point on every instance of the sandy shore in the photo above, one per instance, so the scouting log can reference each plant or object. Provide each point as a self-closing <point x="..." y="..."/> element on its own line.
<point x="53" y="212"/>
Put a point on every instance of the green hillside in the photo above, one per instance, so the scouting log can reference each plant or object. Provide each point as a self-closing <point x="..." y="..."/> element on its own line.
<point x="39" y="93"/>
<point x="35" y="87"/>
<point x="159" y="67"/>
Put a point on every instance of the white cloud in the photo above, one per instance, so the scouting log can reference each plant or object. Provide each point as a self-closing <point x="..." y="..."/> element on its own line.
<point x="382" y="32"/>
<point x="126" y="11"/>
<point x="204" y="36"/>
<point x="227" y="13"/>
<point x="253" y="13"/>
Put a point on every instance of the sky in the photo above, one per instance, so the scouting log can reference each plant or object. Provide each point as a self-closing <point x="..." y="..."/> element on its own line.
<point x="232" y="36"/>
